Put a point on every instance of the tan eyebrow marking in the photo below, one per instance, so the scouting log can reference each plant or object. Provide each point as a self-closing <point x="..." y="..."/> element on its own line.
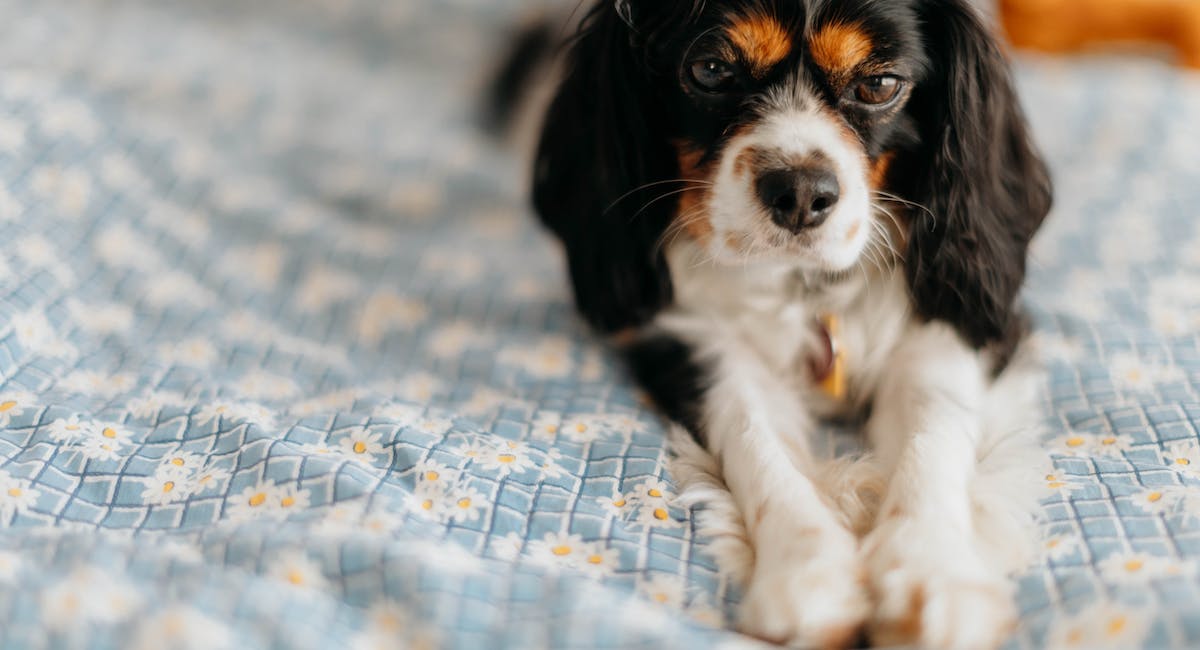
<point x="762" y="40"/>
<point x="838" y="48"/>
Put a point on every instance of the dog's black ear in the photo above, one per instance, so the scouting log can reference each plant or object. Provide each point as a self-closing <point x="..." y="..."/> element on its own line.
<point x="602" y="146"/>
<point x="985" y="186"/>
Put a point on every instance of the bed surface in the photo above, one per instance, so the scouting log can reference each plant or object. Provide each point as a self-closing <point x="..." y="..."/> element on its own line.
<point x="285" y="362"/>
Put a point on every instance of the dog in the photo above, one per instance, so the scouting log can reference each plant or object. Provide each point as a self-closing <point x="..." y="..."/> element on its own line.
<point x="789" y="211"/>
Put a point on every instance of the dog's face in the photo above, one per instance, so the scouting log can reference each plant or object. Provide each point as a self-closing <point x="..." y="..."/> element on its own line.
<point x="795" y="131"/>
<point x="788" y="115"/>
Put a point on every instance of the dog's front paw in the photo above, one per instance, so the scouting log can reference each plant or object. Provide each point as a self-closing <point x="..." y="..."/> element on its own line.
<point x="934" y="592"/>
<point x="806" y="591"/>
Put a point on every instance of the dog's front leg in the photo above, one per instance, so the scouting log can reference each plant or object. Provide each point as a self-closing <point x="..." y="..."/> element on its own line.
<point x="932" y="582"/>
<point x="806" y="584"/>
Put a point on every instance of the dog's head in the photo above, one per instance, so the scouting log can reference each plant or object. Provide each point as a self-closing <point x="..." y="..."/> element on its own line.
<point x="801" y="131"/>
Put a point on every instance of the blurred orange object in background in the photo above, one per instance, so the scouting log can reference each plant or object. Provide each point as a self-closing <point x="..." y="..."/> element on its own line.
<point x="1071" y="25"/>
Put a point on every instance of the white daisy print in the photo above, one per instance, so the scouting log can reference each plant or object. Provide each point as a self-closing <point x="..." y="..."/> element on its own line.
<point x="182" y="628"/>
<point x="101" y="319"/>
<point x="551" y="467"/>
<point x="167" y="485"/>
<point x="509" y="547"/>
<point x="550" y="358"/>
<point x="506" y="457"/>
<point x="433" y="471"/>
<point x="558" y="551"/>
<point x="291" y="498"/>
<point x="430" y="500"/>
<point x="1058" y="482"/>
<point x="596" y="561"/>
<point x="195" y="353"/>
<point x="402" y="414"/>
<point x="210" y="477"/>
<point x="1099" y="627"/>
<point x="95" y="384"/>
<point x="664" y="589"/>
<point x="261" y="385"/>
<point x="453" y="339"/>
<point x="1183" y="456"/>
<point x="1074" y="444"/>
<point x="148" y="406"/>
<point x="236" y="412"/>
<point x="468" y="505"/>
<point x="385" y="313"/>
<point x="68" y="430"/>
<point x="297" y="569"/>
<point x="433" y="426"/>
<point x="104" y="443"/>
<point x="1134" y="568"/>
<point x="546" y="425"/>
<point x="255" y="501"/>
<point x="324" y="286"/>
<point x="653" y="515"/>
<point x="89" y="595"/>
<point x="362" y="444"/>
<point x="1112" y="445"/>
<point x="1131" y="373"/>
<point x="1158" y="500"/>
<point x="583" y="429"/>
<point x="1061" y="547"/>
<point x="13" y="404"/>
<point x="16" y="496"/>
<point x="616" y="505"/>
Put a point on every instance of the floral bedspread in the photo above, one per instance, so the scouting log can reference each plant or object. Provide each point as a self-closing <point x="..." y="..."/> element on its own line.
<point x="284" y="361"/>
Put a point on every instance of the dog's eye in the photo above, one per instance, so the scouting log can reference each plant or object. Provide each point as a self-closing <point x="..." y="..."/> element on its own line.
<point x="713" y="76"/>
<point x="877" y="90"/>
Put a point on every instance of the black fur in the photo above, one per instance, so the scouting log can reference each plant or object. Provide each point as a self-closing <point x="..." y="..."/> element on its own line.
<point x="669" y="371"/>
<point x="959" y="148"/>
<point x="986" y="187"/>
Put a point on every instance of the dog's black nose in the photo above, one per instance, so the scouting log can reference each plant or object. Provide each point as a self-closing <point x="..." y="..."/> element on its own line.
<point x="799" y="198"/>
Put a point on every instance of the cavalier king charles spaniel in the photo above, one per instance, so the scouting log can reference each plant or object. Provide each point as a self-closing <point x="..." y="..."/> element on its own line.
<point x="785" y="211"/>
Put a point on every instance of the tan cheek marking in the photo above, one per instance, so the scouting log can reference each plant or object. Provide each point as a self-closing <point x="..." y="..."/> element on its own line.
<point x="839" y="48"/>
<point x="762" y="40"/>
<point x="692" y="201"/>
<point x="879" y="170"/>
<point x="853" y="232"/>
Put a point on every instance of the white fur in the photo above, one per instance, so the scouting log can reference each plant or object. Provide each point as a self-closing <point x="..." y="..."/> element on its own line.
<point x="947" y="442"/>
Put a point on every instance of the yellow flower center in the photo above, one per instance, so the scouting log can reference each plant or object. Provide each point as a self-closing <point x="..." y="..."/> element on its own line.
<point x="1053" y="543"/>
<point x="360" y="447"/>
<point x="427" y="504"/>
<point x="15" y="492"/>
<point x="258" y="499"/>
<point x="620" y="503"/>
<point x="1116" y="626"/>
<point x="1154" y="497"/>
<point x="654" y="493"/>
<point x="5" y="407"/>
<point x="561" y="550"/>
<point x="464" y="503"/>
<point x="109" y="432"/>
<point x="595" y="559"/>
<point x="205" y="479"/>
<point x="1109" y="441"/>
<point x="660" y="514"/>
<point x="431" y="476"/>
<point x="581" y="427"/>
<point x="552" y="428"/>
<point x="506" y="458"/>
<point x="178" y="462"/>
<point x="1182" y="461"/>
<point x="295" y="577"/>
<point x="1134" y="565"/>
<point x="168" y="486"/>
<point x="1054" y="485"/>
<point x="1051" y="477"/>
<point x="1075" y="636"/>
<point x="287" y="502"/>
<point x="661" y="597"/>
<point x="1075" y="441"/>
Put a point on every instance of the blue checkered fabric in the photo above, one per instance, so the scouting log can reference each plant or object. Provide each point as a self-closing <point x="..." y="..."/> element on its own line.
<point x="284" y="361"/>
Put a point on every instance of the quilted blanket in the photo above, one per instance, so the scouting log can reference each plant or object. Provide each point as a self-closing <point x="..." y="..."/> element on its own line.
<point x="284" y="361"/>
